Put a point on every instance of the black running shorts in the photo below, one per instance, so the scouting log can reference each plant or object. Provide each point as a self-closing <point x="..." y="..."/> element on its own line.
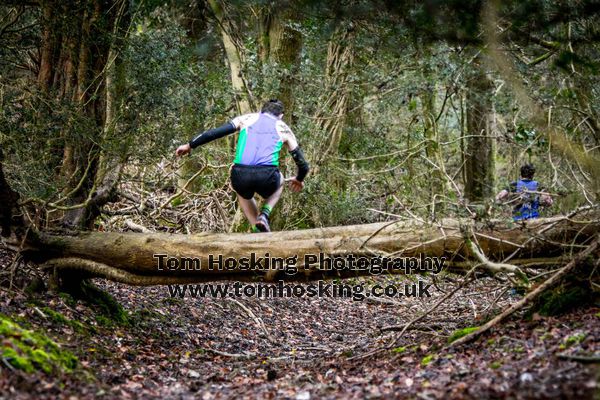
<point x="249" y="179"/>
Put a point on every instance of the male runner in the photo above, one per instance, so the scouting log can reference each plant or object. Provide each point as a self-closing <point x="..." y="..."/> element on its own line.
<point x="255" y="167"/>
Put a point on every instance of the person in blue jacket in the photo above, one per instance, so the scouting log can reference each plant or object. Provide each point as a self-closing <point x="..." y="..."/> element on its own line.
<point x="526" y="193"/>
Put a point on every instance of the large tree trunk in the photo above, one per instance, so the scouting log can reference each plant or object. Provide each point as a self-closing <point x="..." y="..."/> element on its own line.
<point x="332" y="116"/>
<point x="280" y="45"/>
<point x="48" y="47"/>
<point x="110" y="165"/>
<point x="433" y="150"/>
<point x="133" y="257"/>
<point x="234" y="58"/>
<point x="480" y="143"/>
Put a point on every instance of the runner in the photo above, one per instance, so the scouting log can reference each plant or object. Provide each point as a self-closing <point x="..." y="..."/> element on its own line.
<point x="256" y="164"/>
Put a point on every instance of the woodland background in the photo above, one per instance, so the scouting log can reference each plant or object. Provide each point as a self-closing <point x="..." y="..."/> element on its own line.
<point x="408" y="111"/>
<point x="398" y="105"/>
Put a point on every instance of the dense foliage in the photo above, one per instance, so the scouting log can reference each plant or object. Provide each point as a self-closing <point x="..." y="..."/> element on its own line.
<point x="411" y="76"/>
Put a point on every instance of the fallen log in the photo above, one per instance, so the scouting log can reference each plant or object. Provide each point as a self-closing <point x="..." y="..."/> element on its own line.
<point x="161" y="258"/>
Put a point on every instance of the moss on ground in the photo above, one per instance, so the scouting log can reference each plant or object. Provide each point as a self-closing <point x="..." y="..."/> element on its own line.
<point x="562" y="299"/>
<point x="107" y="304"/>
<point x="31" y="351"/>
<point x="427" y="360"/>
<point x="62" y="320"/>
<point x="110" y="312"/>
<point x="575" y="291"/>
<point x="461" y="332"/>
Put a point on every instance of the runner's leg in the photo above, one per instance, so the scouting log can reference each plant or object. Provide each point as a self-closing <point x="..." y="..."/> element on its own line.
<point x="274" y="198"/>
<point x="249" y="208"/>
<point x="262" y="222"/>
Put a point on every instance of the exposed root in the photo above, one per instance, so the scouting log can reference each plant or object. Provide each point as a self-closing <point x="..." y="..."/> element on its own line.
<point x="100" y="270"/>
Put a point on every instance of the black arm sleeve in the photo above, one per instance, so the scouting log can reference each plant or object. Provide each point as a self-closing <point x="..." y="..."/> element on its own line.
<point x="212" y="134"/>
<point x="301" y="163"/>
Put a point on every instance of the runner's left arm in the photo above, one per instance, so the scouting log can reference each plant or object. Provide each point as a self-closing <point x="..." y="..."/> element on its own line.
<point x="213" y="134"/>
<point x="545" y="199"/>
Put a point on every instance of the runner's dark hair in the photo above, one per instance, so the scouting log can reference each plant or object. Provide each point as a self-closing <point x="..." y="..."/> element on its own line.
<point x="273" y="107"/>
<point x="527" y="171"/>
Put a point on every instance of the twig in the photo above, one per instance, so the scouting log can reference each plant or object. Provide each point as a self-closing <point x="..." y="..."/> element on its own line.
<point x="257" y="320"/>
<point x="582" y="359"/>
<point x="494" y="266"/>
<point x="493" y="303"/>
<point x="498" y="240"/>
<point x="432" y="325"/>
<point x="8" y="365"/>
<point x="376" y="233"/>
<point x="433" y="308"/>
<point x="136" y="227"/>
<point x="183" y="189"/>
<point x="232" y="355"/>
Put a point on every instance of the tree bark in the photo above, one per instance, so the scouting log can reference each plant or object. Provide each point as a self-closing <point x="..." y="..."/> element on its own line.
<point x="433" y="150"/>
<point x="132" y="257"/>
<point x="280" y="45"/>
<point x="110" y="165"/>
<point x="480" y="155"/>
<point x="332" y="117"/>
<point x="48" y="47"/>
<point x="234" y="58"/>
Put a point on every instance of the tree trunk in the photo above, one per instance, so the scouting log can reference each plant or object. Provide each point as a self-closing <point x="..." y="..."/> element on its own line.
<point x="133" y="257"/>
<point x="234" y="58"/>
<point x="243" y="96"/>
<point x="48" y="47"/>
<point x="110" y="165"/>
<point x="332" y="116"/>
<point x="433" y="152"/>
<point x="280" y="46"/>
<point x="480" y="155"/>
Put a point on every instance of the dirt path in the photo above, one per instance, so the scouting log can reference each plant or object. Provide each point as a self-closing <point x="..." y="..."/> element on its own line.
<point x="309" y="348"/>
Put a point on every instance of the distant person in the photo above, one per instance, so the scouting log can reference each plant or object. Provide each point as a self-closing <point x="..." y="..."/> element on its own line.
<point x="256" y="164"/>
<point x="526" y="194"/>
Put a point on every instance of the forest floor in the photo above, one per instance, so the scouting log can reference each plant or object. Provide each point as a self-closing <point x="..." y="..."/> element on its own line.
<point x="309" y="348"/>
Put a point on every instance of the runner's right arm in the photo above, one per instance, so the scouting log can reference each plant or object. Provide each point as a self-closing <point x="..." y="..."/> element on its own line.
<point x="296" y="152"/>
<point x="503" y="195"/>
<point x="301" y="163"/>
